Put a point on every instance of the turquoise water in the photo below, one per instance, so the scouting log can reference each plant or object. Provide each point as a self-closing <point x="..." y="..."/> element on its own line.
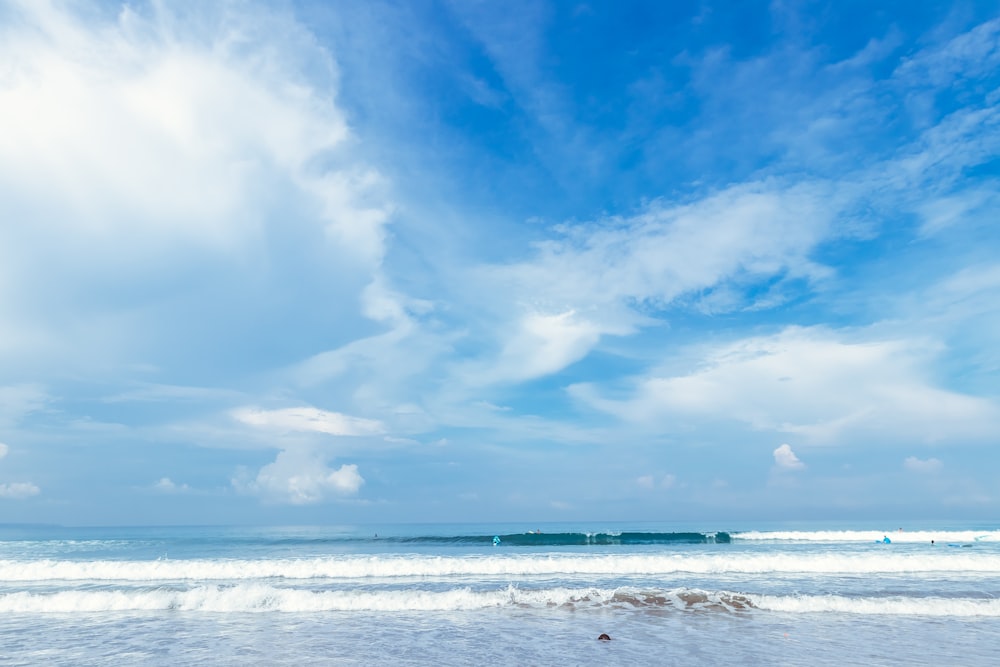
<point x="444" y="595"/>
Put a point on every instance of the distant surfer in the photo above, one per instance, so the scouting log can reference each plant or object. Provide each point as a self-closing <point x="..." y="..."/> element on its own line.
<point x="886" y="540"/>
<point x="604" y="637"/>
<point x="496" y="540"/>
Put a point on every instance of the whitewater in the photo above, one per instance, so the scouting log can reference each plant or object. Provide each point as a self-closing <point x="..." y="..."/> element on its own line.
<point x="511" y="595"/>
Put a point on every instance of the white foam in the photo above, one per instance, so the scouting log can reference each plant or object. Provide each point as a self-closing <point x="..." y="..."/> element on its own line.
<point x="263" y="598"/>
<point x="877" y="560"/>
<point x="914" y="536"/>
<point x="257" y="598"/>
<point x="896" y="606"/>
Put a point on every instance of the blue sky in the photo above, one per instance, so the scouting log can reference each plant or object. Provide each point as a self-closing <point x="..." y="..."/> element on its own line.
<point x="481" y="261"/>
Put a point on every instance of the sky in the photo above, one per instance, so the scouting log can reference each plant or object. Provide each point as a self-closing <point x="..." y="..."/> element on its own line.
<point x="432" y="261"/>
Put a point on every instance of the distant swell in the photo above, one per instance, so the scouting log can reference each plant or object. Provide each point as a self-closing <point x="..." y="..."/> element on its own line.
<point x="568" y="539"/>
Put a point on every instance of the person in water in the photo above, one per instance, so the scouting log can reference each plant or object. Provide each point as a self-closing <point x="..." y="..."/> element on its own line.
<point x="604" y="637"/>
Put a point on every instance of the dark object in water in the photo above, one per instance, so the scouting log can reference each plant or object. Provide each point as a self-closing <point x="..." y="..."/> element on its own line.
<point x="604" y="638"/>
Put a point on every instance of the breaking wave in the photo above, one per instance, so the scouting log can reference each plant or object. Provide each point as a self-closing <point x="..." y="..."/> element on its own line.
<point x="539" y="539"/>
<point x="942" y="537"/>
<point x="393" y="566"/>
<point x="256" y="597"/>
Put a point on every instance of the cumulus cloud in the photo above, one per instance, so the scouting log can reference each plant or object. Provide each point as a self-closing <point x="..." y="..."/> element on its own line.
<point x="913" y="464"/>
<point x="786" y="459"/>
<point x="18" y="490"/>
<point x="172" y="137"/>
<point x="307" y="419"/>
<point x="301" y="478"/>
<point x="166" y="124"/>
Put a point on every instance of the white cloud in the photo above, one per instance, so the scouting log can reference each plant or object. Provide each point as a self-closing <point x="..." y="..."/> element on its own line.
<point x="707" y="252"/>
<point x="166" y="485"/>
<point x="668" y="250"/>
<point x="913" y="464"/>
<point x="18" y="401"/>
<point x="786" y="459"/>
<point x="159" y="128"/>
<point x="819" y="384"/>
<point x="18" y="490"/>
<point x="596" y="279"/>
<point x="968" y="55"/>
<point x="541" y="345"/>
<point x="668" y="481"/>
<point x="301" y="478"/>
<point x="947" y="211"/>
<point x="383" y="369"/>
<point x="307" y="419"/>
<point x="969" y="294"/>
<point x="157" y="140"/>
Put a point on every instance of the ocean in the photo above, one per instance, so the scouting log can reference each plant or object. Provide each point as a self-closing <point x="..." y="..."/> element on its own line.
<point x="489" y="594"/>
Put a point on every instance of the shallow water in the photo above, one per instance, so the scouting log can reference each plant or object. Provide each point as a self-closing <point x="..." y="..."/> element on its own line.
<point x="155" y="596"/>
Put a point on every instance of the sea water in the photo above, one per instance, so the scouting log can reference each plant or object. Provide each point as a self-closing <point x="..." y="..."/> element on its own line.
<point x="666" y="594"/>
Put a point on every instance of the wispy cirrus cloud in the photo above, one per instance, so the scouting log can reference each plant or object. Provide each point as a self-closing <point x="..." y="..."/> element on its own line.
<point x="611" y="277"/>
<point x="459" y="224"/>
<point x="307" y="419"/>
<point x="754" y="244"/>
<point x="18" y="401"/>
